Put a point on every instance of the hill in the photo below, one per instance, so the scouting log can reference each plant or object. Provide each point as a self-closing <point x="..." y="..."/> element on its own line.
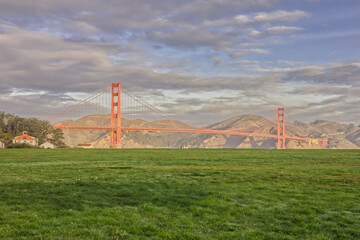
<point x="344" y="136"/>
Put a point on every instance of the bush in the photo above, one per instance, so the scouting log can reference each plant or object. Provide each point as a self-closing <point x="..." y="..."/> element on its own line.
<point x="20" y="145"/>
<point x="62" y="146"/>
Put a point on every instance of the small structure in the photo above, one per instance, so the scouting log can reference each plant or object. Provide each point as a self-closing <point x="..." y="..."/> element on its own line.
<point x="85" y="145"/>
<point x="25" y="138"/>
<point x="2" y="145"/>
<point x="47" y="145"/>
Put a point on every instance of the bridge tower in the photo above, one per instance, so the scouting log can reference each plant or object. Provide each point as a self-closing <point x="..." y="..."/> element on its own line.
<point x="281" y="128"/>
<point x="115" y="132"/>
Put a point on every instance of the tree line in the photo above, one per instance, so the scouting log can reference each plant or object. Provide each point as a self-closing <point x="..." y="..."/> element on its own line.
<point x="12" y="126"/>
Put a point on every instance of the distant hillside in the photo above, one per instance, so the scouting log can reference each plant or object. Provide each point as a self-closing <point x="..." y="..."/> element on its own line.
<point x="340" y="135"/>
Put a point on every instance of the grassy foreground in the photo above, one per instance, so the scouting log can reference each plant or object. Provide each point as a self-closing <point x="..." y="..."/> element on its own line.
<point x="179" y="194"/>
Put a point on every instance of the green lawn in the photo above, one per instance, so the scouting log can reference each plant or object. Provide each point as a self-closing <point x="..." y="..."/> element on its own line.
<point x="179" y="194"/>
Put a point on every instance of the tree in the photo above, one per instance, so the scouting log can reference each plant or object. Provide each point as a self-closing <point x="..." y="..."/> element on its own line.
<point x="6" y="138"/>
<point x="12" y="125"/>
<point x="57" y="137"/>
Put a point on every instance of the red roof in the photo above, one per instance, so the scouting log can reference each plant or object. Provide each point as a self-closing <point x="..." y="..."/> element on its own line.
<point x="24" y="137"/>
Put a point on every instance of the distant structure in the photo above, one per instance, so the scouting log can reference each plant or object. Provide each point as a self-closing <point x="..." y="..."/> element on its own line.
<point x="2" y="145"/>
<point x="85" y="145"/>
<point x="47" y="145"/>
<point x="25" y="138"/>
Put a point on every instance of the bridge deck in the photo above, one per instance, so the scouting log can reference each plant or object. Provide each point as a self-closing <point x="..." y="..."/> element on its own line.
<point x="195" y="130"/>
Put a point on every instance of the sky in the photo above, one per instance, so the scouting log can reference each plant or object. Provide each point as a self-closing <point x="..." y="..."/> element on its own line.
<point x="201" y="61"/>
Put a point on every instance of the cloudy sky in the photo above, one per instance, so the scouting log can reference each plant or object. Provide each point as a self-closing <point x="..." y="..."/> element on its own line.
<point x="199" y="60"/>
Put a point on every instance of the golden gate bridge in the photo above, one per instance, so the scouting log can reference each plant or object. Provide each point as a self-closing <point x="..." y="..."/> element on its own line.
<point x="115" y="103"/>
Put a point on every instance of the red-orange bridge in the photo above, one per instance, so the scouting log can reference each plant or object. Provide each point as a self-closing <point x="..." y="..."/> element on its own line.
<point x="117" y="101"/>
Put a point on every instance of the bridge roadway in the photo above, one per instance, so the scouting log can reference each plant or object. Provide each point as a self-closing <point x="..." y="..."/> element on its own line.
<point x="195" y="130"/>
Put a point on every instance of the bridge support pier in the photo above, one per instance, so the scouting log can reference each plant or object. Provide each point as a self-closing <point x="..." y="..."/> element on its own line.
<point x="115" y="132"/>
<point x="281" y="128"/>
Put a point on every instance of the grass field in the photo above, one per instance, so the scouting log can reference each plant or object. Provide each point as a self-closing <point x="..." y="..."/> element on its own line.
<point x="179" y="194"/>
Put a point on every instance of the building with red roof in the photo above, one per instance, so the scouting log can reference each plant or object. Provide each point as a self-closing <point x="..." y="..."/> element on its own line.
<point x="25" y="138"/>
<point x="85" y="145"/>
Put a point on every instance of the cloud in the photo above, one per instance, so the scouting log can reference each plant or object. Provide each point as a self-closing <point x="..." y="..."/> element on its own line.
<point x="52" y="50"/>
<point x="272" y="31"/>
<point x="116" y="15"/>
<point x="234" y="55"/>
<point x="199" y="37"/>
<point x="169" y="23"/>
<point x="210" y="9"/>
<point x="34" y="104"/>
<point x="340" y="108"/>
<point x="217" y="60"/>
<point x="52" y="68"/>
<point x="177" y="24"/>
<point x="275" y="16"/>
<point x="244" y="52"/>
<point x="290" y="63"/>
<point x="218" y="108"/>
<point x="41" y="61"/>
<point x="344" y="74"/>
<point x="321" y="90"/>
<point x="280" y="16"/>
<point x="282" y="30"/>
<point x="258" y="51"/>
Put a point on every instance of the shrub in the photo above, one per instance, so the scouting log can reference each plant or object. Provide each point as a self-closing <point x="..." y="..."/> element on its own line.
<point x="21" y="145"/>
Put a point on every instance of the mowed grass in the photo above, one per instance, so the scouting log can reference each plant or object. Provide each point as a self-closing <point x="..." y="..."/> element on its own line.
<point x="179" y="194"/>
